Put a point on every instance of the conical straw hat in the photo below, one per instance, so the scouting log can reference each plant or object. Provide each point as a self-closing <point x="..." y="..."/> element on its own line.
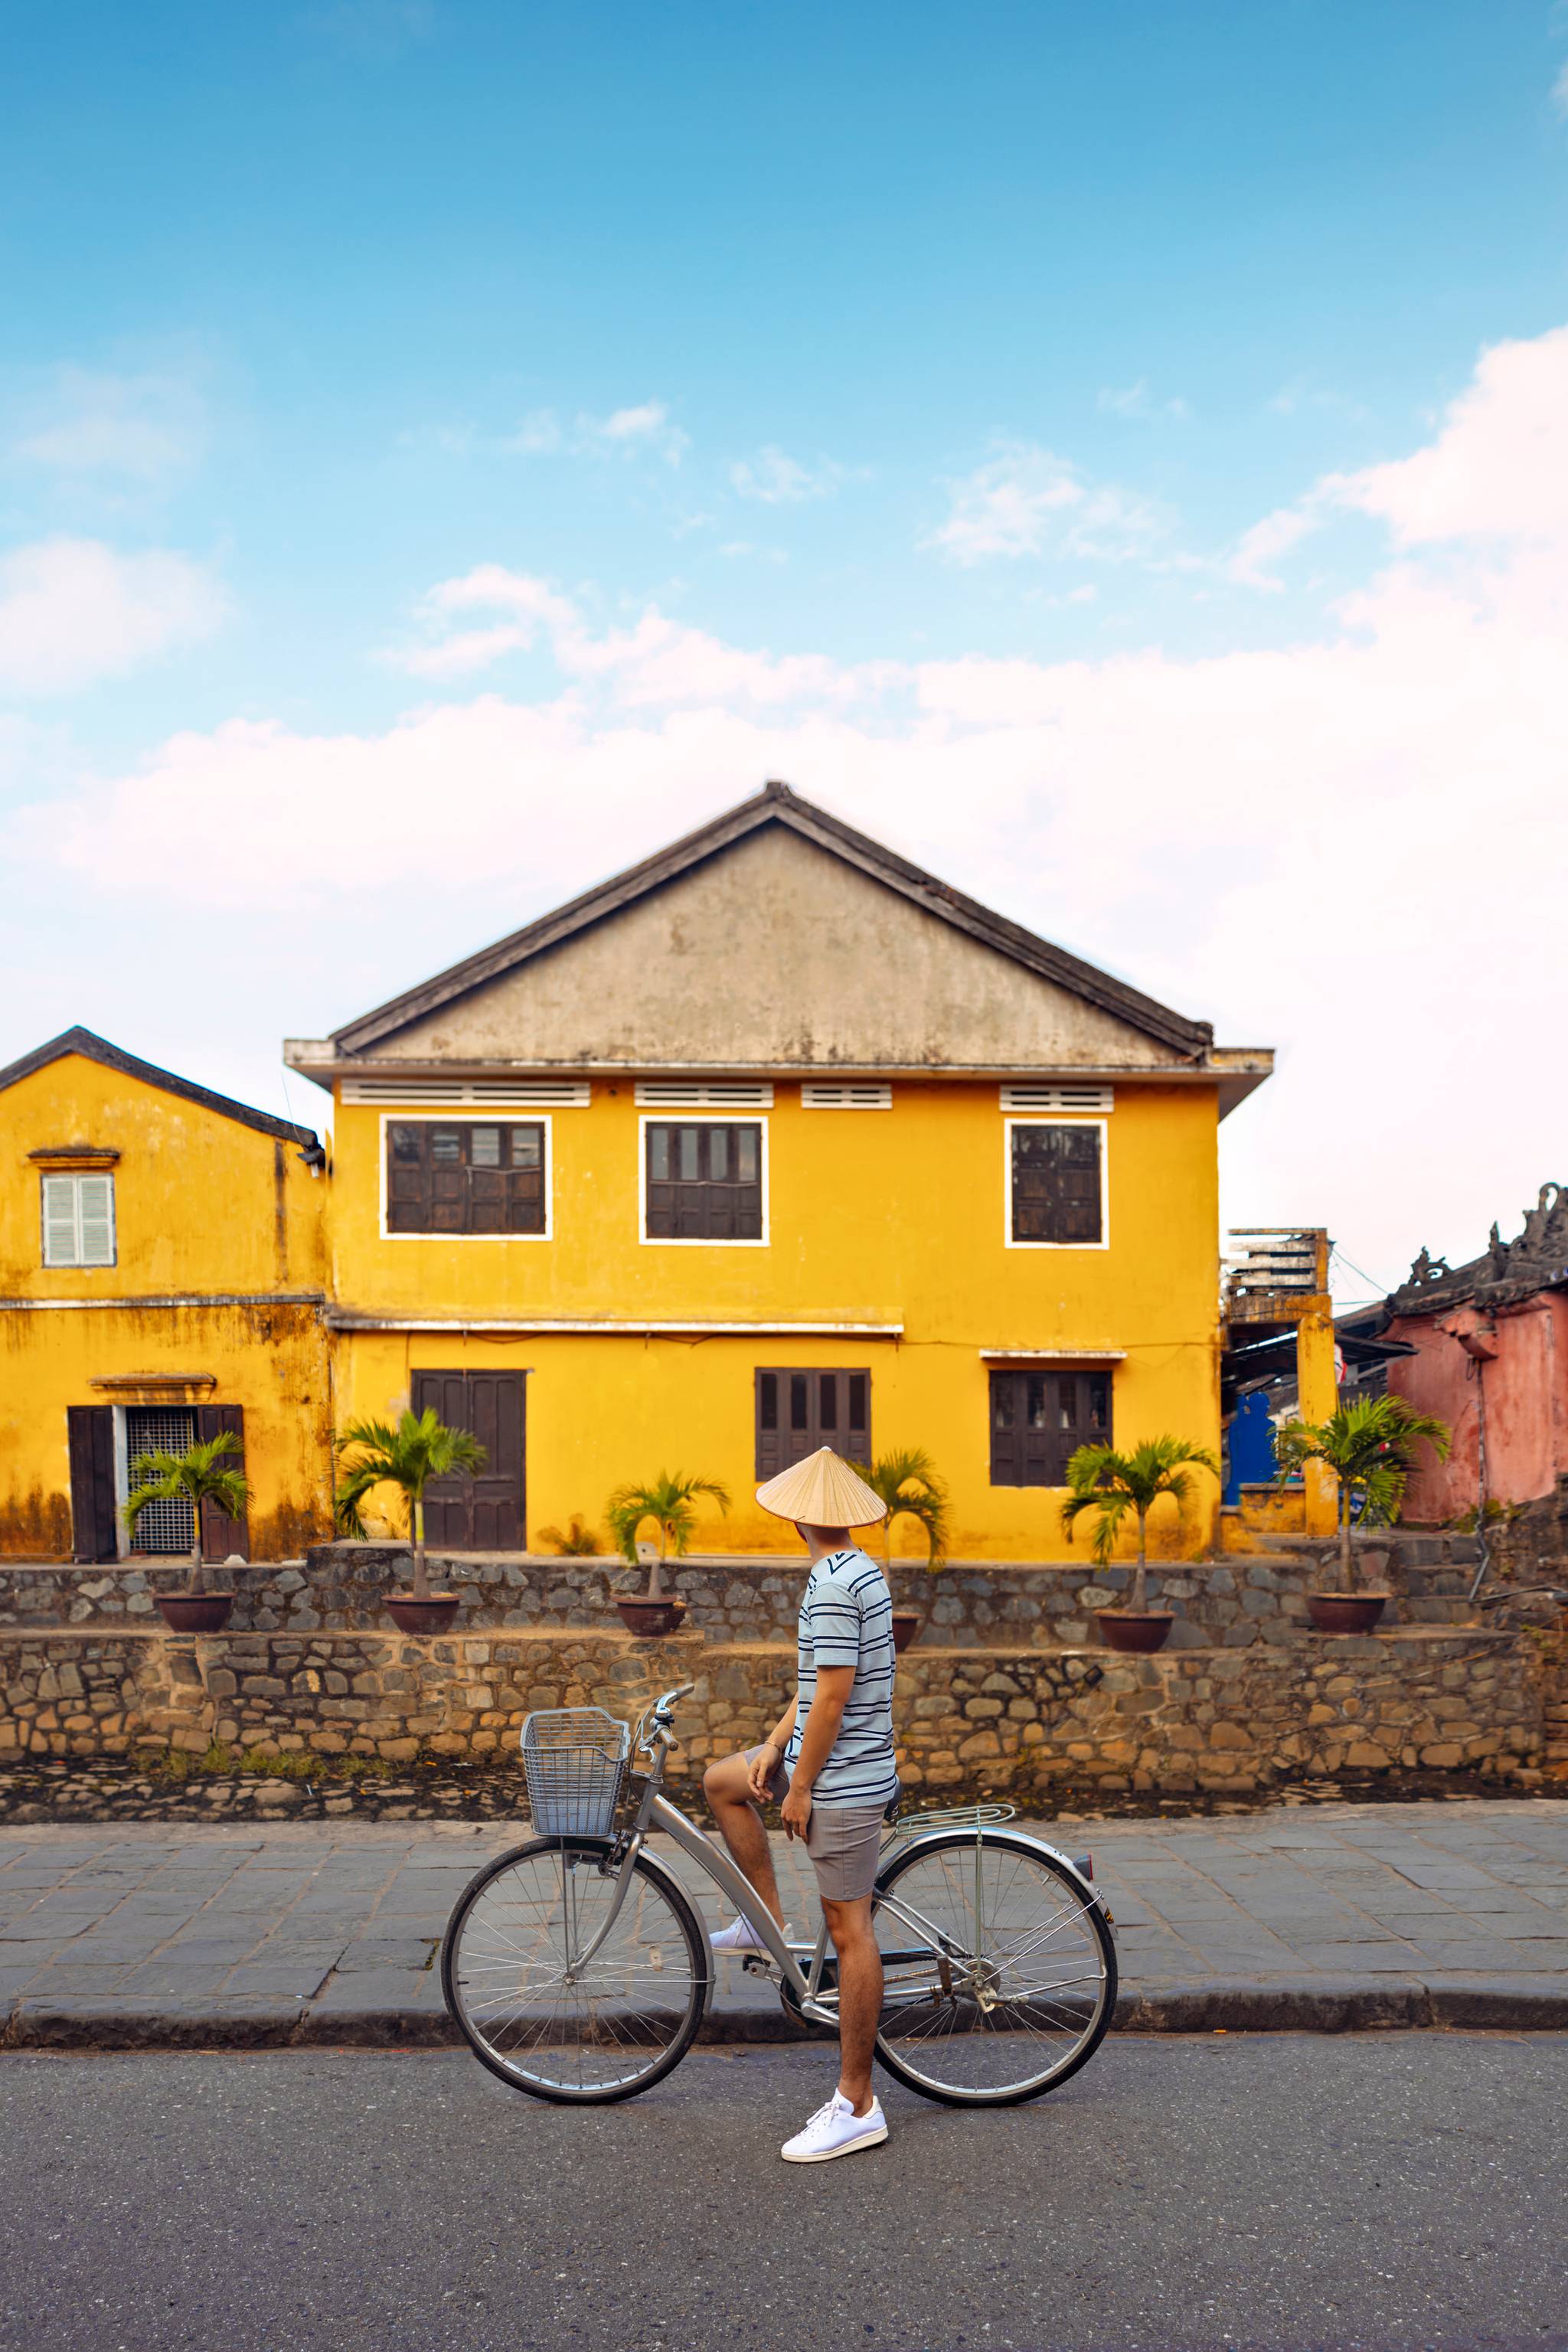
<point x="821" y="1492"/>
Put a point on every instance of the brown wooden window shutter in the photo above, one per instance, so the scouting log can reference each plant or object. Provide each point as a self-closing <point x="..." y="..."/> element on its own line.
<point x="704" y="1180"/>
<point x="1038" y="1420"/>
<point x="89" y="1429"/>
<point x="1056" y="1184"/>
<point x="797" y="1410"/>
<point x="220" y="1534"/>
<point x="461" y="1176"/>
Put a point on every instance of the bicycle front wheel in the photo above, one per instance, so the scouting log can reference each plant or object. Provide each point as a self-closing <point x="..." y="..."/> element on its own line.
<point x="1001" y="1978"/>
<point x="547" y="2024"/>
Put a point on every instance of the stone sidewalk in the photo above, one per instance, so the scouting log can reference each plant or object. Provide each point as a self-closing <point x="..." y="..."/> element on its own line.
<point x="1343" y="1915"/>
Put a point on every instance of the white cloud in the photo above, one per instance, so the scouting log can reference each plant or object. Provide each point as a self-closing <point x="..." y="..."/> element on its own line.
<point x="1136" y="401"/>
<point x="124" y="429"/>
<point x="1560" y="94"/>
<point x="657" y="661"/>
<point x="644" y="429"/>
<point x="776" y="480"/>
<point x="1350" y="844"/>
<point x="73" y="611"/>
<point x="1026" y="501"/>
<point x="1252" y="561"/>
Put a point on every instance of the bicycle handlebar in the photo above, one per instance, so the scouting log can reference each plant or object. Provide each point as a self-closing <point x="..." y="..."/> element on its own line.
<point x="664" y="1708"/>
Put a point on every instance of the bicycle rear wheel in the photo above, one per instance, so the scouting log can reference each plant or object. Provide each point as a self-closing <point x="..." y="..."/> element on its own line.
<point x="601" y="2033"/>
<point x="1001" y="1978"/>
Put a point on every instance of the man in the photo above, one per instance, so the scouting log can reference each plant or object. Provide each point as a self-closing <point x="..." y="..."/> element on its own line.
<point x="829" y="1763"/>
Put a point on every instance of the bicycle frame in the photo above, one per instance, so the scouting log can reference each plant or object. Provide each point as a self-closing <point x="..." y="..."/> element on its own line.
<point x="817" y="2003"/>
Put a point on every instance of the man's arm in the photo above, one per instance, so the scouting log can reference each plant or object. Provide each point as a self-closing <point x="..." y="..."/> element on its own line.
<point x="834" y="1684"/>
<point x="770" y="1752"/>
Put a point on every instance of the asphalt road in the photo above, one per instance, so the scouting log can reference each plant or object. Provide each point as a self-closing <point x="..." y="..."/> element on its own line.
<point x="1392" y="2190"/>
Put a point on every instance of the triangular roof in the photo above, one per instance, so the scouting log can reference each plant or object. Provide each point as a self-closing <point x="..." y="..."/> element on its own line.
<point x="94" y="1048"/>
<point x="777" y="805"/>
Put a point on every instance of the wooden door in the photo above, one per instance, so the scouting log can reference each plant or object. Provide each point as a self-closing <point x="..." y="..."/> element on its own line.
<point x="221" y="1535"/>
<point x="486" y="1513"/>
<point x="91" y="1430"/>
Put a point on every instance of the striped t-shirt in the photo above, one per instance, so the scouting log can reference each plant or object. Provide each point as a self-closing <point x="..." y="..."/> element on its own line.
<point x="846" y="1620"/>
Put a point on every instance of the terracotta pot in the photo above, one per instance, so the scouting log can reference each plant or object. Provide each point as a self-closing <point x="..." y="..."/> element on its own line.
<point x="650" y="1620"/>
<point x="432" y="1616"/>
<point x="1345" y="1612"/>
<point x="1141" y="1630"/>
<point x="907" y="1624"/>
<point x="196" y="1613"/>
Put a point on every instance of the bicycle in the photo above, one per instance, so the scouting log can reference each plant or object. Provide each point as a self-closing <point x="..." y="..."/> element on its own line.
<point x="577" y="1967"/>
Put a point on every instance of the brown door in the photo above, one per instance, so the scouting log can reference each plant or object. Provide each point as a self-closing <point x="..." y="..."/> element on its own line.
<point x="486" y="1513"/>
<point x="90" y="1429"/>
<point x="220" y="1534"/>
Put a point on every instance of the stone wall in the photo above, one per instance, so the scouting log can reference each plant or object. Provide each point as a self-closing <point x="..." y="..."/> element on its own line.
<point x="341" y="1587"/>
<point x="1014" y="1720"/>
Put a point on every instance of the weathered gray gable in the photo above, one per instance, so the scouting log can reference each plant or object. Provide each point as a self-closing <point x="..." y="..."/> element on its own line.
<point x="774" y="953"/>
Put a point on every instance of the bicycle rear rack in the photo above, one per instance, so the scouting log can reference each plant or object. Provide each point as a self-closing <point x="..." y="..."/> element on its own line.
<point x="954" y="1817"/>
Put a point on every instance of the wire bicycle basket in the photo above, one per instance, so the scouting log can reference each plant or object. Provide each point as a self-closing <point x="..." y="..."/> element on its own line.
<point x="575" y="1759"/>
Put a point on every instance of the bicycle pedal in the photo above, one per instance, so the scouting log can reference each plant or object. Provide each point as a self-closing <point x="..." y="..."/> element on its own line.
<point x="757" y="1964"/>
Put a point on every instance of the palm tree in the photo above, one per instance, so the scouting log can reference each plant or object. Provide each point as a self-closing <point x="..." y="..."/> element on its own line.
<point x="420" y="1448"/>
<point x="1110" y="1485"/>
<point x="668" y="1499"/>
<point x="907" y="1483"/>
<point x="1370" y="1445"/>
<point x="198" y="1475"/>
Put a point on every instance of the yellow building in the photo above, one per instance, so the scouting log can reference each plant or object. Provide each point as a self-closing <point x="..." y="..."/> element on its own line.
<point x="776" y="1141"/>
<point x="160" y="1278"/>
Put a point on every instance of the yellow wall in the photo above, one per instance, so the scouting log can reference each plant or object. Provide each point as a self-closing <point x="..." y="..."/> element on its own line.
<point x="204" y="1205"/>
<point x="875" y="1216"/>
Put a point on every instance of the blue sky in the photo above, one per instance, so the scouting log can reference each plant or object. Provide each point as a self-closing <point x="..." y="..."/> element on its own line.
<point x="445" y="449"/>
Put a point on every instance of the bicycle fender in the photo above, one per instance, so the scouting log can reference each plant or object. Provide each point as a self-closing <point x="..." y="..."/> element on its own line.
<point x="1007" y="1836"/>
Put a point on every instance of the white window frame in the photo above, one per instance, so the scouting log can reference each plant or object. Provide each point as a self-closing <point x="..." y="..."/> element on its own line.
<point x="673" y="1118"/>
<point x="75" y="1178"/>
<point x="1034" y="1119"/>
<point x="472" y="1114"/>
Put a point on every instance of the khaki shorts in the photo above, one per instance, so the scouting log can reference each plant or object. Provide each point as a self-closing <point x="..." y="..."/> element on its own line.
<point x="843" y="1841"/>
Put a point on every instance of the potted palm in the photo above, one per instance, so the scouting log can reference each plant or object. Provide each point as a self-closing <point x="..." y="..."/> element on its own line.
<point x="1109" y="1485"/>
<point x="910" y="1488"/>
<point x="1370" y="1445"/>
<point x="668" y="1501"/>
<point x="420" y="1448"/>
<point x="198" y="1475"/>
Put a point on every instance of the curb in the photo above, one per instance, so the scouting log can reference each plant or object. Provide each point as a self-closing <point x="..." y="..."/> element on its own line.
<point x="1325" y="2005"/>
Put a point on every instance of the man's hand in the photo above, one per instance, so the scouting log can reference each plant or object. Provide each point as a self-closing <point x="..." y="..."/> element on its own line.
<point x="764" y="1764"/>
<point x="796" y="1810"/>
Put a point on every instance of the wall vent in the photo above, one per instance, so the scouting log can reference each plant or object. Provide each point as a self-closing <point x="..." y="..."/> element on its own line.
<point x="489" y="1094"/>
<point x="846" y="1097"/>
<point x="675" y="1093"/>
<point x="1085" y="1102"/>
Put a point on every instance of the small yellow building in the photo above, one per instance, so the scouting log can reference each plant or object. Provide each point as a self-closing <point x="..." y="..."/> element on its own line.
<point x="776" y="1141"/>
<point x="160" y="1278"/>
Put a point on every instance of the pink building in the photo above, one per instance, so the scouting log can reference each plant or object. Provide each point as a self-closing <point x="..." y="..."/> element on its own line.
<point x="1491" y="1357"/>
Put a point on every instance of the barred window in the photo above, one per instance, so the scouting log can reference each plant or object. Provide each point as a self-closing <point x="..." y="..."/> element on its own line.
<point x="448" y="1176"/>
<point x="797" y="1410"/>
<point x="1038" y="1420"/>
<point x="704" y="1182"/>
<point x="1056" y="1184"/>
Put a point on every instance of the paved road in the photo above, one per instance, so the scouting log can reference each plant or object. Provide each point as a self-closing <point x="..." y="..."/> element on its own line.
<point x="1342" y="1915"/>
<point x="1382" y="2191"/>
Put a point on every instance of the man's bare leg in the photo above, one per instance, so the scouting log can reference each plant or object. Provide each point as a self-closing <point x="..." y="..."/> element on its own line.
<point x="740" y="1826"/>
<point x="859" y="1996"/>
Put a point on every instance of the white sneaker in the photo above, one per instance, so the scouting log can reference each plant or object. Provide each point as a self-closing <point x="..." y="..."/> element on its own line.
<point x="740" y="1935"/>
<point x="835" y="2130"/>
